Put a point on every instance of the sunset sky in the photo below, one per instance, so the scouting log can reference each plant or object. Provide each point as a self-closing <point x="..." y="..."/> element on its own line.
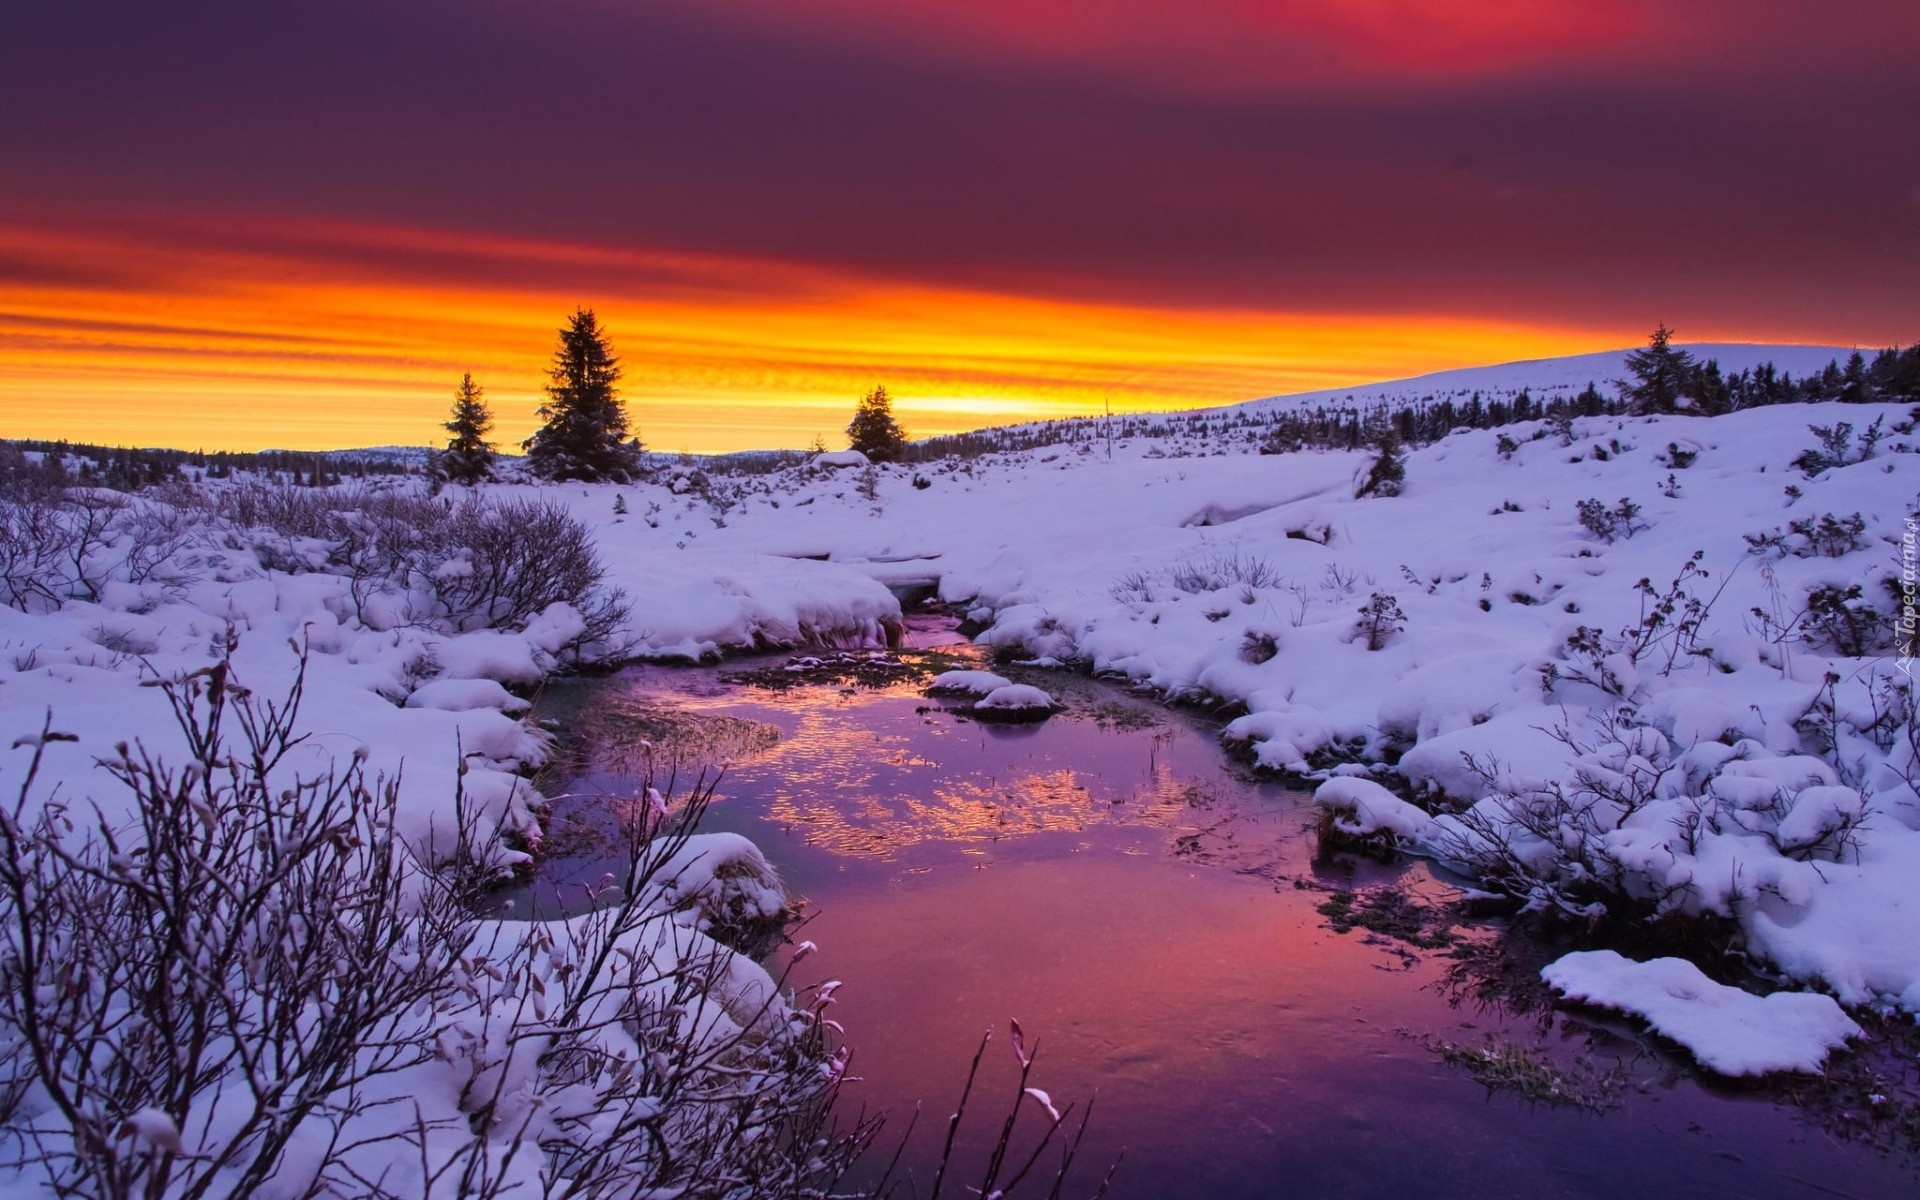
<point x="295" y="223"/>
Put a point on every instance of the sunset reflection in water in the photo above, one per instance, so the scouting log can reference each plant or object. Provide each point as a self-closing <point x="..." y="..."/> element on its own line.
<point x="1150" y="916"/>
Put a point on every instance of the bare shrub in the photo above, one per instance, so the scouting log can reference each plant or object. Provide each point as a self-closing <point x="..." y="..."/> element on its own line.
<point x="1667" y="634"/>
<point x="237" y="967"/>
<point x="486" y="562"/>
<point x="1839" y="448"/>
<point x="509" y="560"/>
<point x="56" y="542"/>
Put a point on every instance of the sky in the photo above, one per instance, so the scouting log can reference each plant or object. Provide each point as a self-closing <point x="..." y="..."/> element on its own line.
<point x="237" y="225"/>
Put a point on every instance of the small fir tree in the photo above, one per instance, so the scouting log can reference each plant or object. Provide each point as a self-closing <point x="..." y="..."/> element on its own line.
<point x="873" y="431"/>
<point x="468" y="457"/>
<point x="1387" y="474"/>
<point x="1661" y="375"/>
<point x="585" y="435"/>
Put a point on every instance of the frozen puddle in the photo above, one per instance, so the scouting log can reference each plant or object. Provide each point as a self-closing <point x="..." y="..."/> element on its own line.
<point x="1150" y="916"/>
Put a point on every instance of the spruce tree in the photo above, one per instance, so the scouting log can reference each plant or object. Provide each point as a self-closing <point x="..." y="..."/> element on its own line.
<point x="1856" y="387"/>
<point x="1387" y="474"/>
<point x="585" y="436"/>
<point x="873" y="431"/>
<point x="1661" y="375"/>
<point x="468" y="457"/>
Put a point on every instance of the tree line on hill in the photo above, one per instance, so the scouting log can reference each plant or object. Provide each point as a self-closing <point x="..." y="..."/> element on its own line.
<point x="124" y="469"/>
<point x="586" y="434"/>
<point x="1664" y="379"/>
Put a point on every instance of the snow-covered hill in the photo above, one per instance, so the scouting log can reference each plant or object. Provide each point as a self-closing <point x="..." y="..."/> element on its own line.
<point x="1622" y="669"/>
<point x="1551" y="378"/>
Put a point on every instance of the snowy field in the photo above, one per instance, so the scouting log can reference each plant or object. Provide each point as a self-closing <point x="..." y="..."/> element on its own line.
<point x="1682" y="701"/>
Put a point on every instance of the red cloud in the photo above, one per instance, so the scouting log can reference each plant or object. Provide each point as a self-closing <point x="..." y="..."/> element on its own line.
<point x="1239" y="44"/>
<point x="1259" y="45"/>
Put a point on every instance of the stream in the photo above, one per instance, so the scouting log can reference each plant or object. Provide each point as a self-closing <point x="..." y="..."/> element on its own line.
<point x="1152" y="914"/>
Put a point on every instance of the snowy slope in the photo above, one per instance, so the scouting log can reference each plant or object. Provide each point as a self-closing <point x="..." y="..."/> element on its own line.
<point x="1548" y="378"/>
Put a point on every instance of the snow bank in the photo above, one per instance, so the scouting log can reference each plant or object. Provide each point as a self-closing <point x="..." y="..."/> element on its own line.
<point x="1729" y="1031"/>
<point x="697" y="603"/>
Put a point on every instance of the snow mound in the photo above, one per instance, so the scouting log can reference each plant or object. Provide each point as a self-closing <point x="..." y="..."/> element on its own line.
<point x="1281" y="737"/>
<point x="1017" y="697"/>
<point x="840" y="458"/>
<point x="968" y="683"/>
<point x="1729" y="1031"/>
<point x="722" y="881"/>
<point x="1362" y="807"/>
<point x="466" y="695"/>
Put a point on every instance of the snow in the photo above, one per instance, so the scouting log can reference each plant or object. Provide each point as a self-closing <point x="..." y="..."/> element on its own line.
<point x="697" y="603"/>
<point x="967" y="683"/>
<point x="1752" y="769"/>
<point x="1282" y="737"/>
<point x="1729" y="1031"/>
<point x="1016" y="697"/>
<point x="839" y="458"/>
<point x="155" y="1128"/>
<point x="465" y="695"/>
<point x="1560" y="378"/>
<point x="1361" y="807"/>
<point x="720" y="877"/>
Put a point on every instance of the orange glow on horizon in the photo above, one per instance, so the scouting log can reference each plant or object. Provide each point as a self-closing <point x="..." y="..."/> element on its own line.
<point x="321" y="335"/>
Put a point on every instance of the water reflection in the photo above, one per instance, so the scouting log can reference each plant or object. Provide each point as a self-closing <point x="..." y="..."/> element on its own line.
<point x="1150" y="915"/>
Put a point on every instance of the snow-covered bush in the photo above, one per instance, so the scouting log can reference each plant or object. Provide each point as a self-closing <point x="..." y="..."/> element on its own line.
<point x="1678" y="457"/>
<point x="60" y="543"/>
<point x="1667" y="635"/>
<point x="486" y="562"/>
<point x="259" y="987"/>
<point x="1258" y="645"/>
<point x="1639" y="827"/>
<point x="1824" y="536"/>
<point x="1386" y="475"/>
<point x="1838" y="447"/>
<point x="1611" y="524"/>
<point x="1842" y="620"/>
<point x="1380" y="618"/>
